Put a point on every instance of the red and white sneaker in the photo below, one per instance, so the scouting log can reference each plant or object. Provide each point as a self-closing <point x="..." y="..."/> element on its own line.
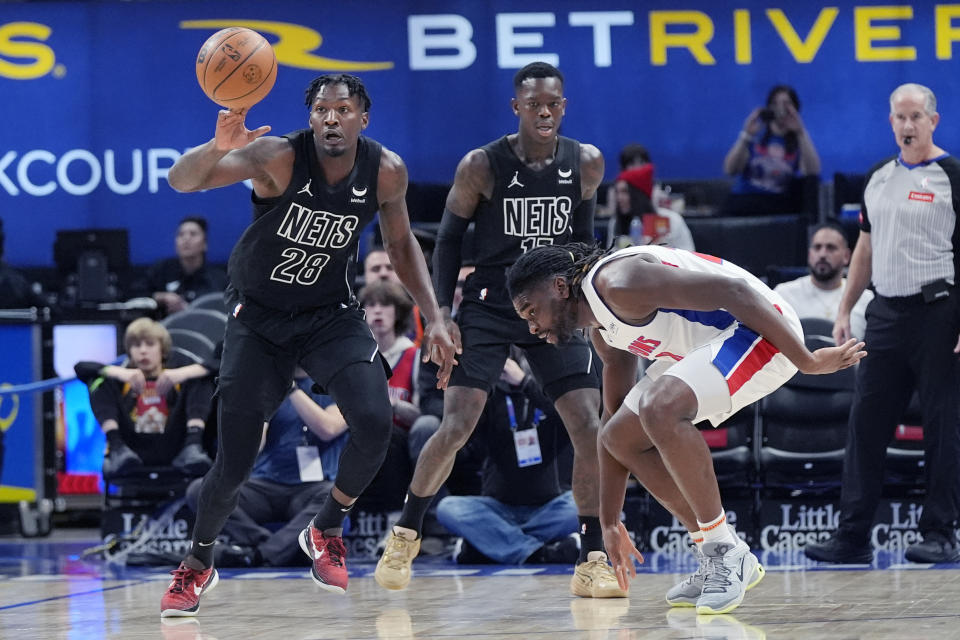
<point x="329" y="568"/>
<point x="183" y="595"/>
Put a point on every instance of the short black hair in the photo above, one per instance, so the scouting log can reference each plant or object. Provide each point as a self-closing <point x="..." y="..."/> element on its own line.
<point x="536" y="70"/>
<point x="200" y="221"/>
<point x="632" y="153"/>
<point x="354" y="85"/>
<point x="572" y="261"/>
<point x="830" y="224"/>
<point x="785" y="88"/>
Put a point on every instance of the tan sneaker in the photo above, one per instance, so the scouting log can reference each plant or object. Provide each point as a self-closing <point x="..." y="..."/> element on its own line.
<point x="393" y="570"/>
<point x="595" y="578"/>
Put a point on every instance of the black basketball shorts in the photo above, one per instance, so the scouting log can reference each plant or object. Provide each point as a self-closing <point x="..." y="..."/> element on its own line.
<point x="267" y="344"/>
<point x="488" y="332"/>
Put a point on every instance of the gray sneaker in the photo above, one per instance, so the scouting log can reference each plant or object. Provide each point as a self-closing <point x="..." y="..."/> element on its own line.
<point x="729" y="568"/>
<point x="687" y="592"/>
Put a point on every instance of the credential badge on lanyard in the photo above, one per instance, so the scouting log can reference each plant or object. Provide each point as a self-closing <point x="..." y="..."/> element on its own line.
<point x="526" y="441"/>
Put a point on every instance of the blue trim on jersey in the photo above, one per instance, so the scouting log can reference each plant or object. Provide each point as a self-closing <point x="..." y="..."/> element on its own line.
<point x="922" y="163"/>
<point x="716" y="319"/>
<point x="733" y="349"/>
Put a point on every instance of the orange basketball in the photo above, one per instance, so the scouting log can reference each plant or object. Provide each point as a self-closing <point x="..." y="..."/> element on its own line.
<point x="236" y="68"/>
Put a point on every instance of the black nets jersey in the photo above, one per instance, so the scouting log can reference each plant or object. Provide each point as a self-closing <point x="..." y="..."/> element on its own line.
<point x="528" y="208"/>
<point x="300" y="251"/>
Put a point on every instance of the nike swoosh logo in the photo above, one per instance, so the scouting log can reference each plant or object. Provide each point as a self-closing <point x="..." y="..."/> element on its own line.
<point x="564" y="174"/>
<point x="197" y="589"/>
<point x="359" y="192"/>
<point x="740" y="573"/>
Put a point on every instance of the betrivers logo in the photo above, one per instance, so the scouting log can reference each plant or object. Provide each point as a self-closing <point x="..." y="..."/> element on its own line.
<point x="23" y="54"/>
<point x="294" y="45"/>
<point x="358" y="195"/>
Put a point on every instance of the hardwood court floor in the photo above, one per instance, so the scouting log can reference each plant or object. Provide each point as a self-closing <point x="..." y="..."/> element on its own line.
<point x="46" y="592"/>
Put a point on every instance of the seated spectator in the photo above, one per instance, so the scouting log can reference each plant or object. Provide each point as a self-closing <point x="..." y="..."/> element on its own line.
<point x="387" y="308"/>
<point x="632" y="192"/>
<point x="377" y="266"/>
<point x="772" y="151"/>
<point x="150" y="415"/>
<point x="298" y="461"/>
<point x="526" y="512"/>
<point x="818" y="295"/>
<point x="16" y="292"/>
<point x="176" y="282"/>
<point x="632" y="156"/>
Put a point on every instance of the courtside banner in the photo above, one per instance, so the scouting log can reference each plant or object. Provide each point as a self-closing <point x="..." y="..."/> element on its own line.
<point x="100" y="98"/>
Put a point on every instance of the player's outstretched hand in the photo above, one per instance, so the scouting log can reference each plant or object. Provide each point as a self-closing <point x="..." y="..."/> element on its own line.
<point x="232" y="132"/>
<point x="830" y="359"/>
<point x="621" y="551"/>
<point x="440" y="348"/>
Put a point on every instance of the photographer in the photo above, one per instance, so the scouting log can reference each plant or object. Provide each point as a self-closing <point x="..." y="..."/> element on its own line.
<point x="772" y="150"/>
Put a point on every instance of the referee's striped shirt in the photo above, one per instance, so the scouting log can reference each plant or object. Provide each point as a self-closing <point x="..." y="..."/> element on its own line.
<point x="910" y="212"/>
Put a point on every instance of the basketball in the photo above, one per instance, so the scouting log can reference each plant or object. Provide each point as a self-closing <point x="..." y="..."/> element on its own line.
<point x="236" y="68"/>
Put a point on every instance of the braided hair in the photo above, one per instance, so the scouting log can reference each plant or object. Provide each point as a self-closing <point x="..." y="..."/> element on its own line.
<point x="355" y="87"/>
<point x="572" y="261"/>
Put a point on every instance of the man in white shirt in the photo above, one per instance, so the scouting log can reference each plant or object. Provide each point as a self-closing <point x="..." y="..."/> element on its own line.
<point x="818" y="295"/>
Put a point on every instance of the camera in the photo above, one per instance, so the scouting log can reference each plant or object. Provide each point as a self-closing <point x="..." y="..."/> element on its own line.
<point x="766" y="114"/>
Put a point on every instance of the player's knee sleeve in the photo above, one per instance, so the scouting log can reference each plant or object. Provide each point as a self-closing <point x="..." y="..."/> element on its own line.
<point x="370" y="425"/>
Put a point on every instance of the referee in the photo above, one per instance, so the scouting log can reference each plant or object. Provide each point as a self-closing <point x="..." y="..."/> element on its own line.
<point x="909" y="247"/>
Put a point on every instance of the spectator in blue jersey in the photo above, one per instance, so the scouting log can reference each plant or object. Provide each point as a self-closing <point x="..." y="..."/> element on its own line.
<point x="297" y="463"/>
<point x="772" y="150"/>
<point x="909" y="247"/>
<point x="525" y="512"/>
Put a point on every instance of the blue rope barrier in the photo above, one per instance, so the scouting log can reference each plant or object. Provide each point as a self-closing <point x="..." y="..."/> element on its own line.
<point x="30" y="387"/>
<point x="43" y="385"/>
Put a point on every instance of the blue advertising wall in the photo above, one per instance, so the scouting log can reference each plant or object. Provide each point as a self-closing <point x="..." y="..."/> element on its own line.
<point x="19" y="413"/>
<point x="100" y="98"/>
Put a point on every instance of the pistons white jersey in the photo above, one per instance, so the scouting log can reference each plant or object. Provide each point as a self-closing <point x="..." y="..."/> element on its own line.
<point x="672" y="333"/>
